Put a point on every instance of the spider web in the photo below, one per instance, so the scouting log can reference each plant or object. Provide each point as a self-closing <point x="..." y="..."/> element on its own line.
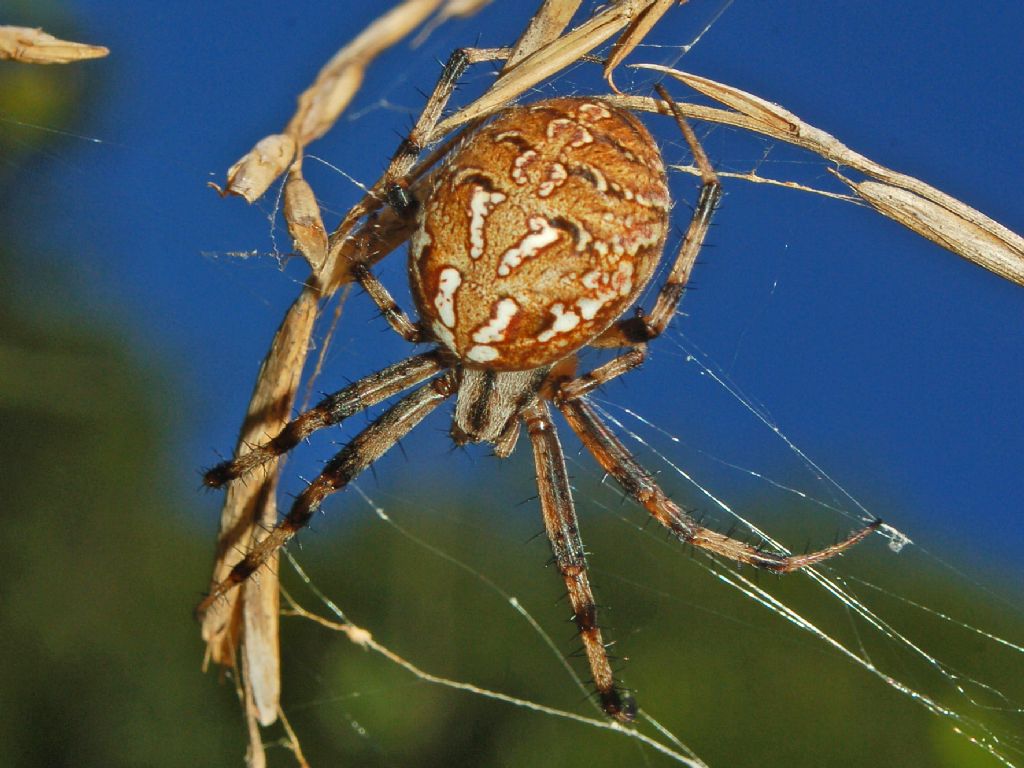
<point x="949" y="691"/>
<point x="853" y="617"/>
<point x="972" y="698"/>
<point x="884" y="624"/>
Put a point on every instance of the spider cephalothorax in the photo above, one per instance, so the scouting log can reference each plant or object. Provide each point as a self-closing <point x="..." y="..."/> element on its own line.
<point x="534" y="237"/>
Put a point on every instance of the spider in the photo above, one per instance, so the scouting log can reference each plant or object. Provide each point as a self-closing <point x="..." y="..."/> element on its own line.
<point x="534" y="236"/>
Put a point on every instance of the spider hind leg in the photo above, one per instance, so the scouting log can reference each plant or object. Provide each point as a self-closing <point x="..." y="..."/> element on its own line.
<point x="618" y="462"/>
<point x="563" y="533"/>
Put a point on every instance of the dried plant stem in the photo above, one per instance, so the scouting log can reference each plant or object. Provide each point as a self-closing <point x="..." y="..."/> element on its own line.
<point x="33" y="46"/>
<point x="905" y="199"/>
<point x="754" y="178"/>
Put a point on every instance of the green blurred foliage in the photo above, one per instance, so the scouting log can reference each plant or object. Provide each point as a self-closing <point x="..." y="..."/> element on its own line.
<point x="100" y="661"/>
<point x="101" y="658"/>
<point x="738" y="684"/>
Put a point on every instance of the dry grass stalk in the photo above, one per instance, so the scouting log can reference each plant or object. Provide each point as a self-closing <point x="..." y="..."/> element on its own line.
<point x="636" y="31"/>
<point x="547" y="24"/>
<point x="909" y="201"/>
<point x="305" y="224"/>
<point x="33" y="46"/>
<point x="947" y="228"/>
<point x="754" y="178"/>
<point x="322" y="103"/>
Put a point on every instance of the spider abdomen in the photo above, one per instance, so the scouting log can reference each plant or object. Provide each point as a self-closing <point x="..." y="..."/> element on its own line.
<point x="539" y="231"/>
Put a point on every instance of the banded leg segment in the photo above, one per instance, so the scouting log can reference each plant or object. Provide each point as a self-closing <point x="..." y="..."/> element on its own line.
<point x="638" y="483"/>
<point x="332" y="410"/>
<point x="566" y="545"/>
<point x="591" y="380"/>
<point x="364" y="449"/>
<point x="396" y="317"/>
<point x="421" y="135"/>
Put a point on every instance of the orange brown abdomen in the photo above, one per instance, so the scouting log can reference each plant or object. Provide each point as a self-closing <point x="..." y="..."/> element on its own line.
<point x="539" y="231"/>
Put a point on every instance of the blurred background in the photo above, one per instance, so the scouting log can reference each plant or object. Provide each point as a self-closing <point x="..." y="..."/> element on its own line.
<point x="138" y="305"/>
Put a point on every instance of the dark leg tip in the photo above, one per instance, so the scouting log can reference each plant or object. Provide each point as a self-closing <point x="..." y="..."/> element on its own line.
<point x="620" y="706"/>
<point x="219" y="475"/>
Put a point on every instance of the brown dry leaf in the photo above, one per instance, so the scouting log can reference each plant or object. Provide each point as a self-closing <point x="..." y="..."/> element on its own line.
<point x="33" y="46"/>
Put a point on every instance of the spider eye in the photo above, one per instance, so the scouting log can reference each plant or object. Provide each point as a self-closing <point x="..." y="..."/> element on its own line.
<point x="401" y="199"/>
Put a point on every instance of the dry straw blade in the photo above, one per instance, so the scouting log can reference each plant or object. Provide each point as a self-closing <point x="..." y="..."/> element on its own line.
<point x="33" y="46"/>
<point x="322" y="103"/>
<point x="911" y="202"/>
<point x="968" y="237"/>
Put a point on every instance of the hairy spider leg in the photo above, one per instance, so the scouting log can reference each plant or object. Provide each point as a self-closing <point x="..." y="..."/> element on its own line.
<point x="563" y="533"/>
<point x="394" y="186"/>
<point x="605" y="446"/>
<point x="364" y="449"/>
<point x="644" y="327"/>
<point x="332" y="410"/>
<point x="618" y="462"/>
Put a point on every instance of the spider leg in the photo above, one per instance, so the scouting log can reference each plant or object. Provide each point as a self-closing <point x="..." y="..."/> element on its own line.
<point x="393" y="185"/>
<point x="617" y="461"/>
<point x="645" y="327"/>
<point x="421" y="135"/>
<point x="396" y="317"/>
<point x="591" y="380"/>
<point x="364" y="449"/>
<point x="332" y="410"/>
<point x="563" y="533"/>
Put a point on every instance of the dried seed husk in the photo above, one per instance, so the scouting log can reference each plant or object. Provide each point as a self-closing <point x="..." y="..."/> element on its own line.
<point x="33" y="46"/>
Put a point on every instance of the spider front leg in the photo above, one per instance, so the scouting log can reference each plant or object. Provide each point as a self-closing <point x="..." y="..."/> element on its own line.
<point x="364" y="449"/>
<point x="618" y="462"/>
<point x="563" y="533"/>
<point x="635" y="331"/>
<point x="330" y="411"/>
<point x="421" y="134"/>
<point x="394" y="185"/>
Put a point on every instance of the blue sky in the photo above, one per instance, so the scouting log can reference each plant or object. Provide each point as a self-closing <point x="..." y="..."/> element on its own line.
<point x="895" y="365"/>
